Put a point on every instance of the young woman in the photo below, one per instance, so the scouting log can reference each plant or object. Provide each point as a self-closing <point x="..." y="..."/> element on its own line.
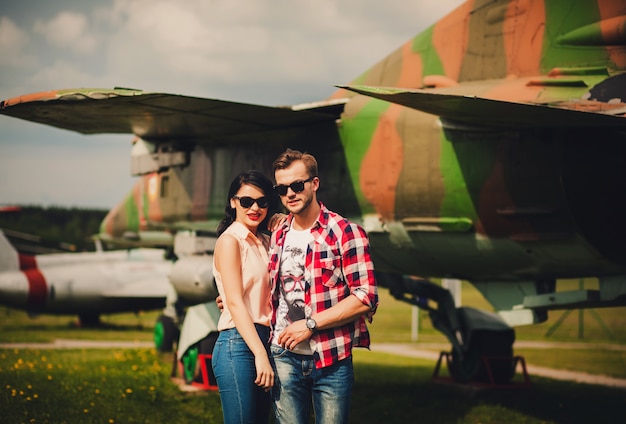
<point x="240" y="358"/>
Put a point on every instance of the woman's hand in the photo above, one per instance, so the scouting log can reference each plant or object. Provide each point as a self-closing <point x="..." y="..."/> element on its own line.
<point x="276" y="221"/>
<point x="264" y="372"/>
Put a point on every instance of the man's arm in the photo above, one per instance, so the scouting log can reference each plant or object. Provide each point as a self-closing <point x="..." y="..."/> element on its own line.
<point x="344" y="312"/>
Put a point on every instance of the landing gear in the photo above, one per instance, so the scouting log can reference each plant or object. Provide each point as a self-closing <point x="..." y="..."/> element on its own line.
<point x="487" y="355"/>
<point x="482" y="343"/>
<point x="88" y="320"/>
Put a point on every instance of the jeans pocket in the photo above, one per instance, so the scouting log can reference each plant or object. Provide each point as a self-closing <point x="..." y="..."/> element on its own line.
<point x="278" y="351"/>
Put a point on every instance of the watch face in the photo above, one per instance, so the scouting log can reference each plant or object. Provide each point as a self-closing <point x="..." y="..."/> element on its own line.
<point x="311" y="324"/>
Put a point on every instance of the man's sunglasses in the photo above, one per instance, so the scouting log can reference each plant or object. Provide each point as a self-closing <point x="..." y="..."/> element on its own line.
<point x="247" y="202"/>
<point x="296" y="186"/>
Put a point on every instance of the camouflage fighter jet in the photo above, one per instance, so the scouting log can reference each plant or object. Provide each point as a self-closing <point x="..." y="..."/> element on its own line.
<point x="488" y="148"/>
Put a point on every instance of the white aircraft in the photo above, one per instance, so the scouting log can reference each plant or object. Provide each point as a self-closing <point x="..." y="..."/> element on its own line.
<point x="86" y="284"/>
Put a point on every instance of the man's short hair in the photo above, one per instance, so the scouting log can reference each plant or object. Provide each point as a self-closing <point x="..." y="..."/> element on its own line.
<point x="289" y="156"/>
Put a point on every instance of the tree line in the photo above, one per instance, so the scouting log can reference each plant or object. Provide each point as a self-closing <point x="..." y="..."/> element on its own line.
<point x="52" y="229"/>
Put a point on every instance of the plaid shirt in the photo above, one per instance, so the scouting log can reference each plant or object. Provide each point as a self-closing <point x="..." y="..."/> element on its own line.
<point x="337" y="265"/>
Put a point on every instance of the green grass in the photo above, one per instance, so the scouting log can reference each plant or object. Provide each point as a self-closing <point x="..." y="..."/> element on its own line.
<point x="17" y="326"/>
<point x="593" y="361"/>
<point x="134" y="386"/>
<point x="394" y="389"/>
<point x="96" y="386"/>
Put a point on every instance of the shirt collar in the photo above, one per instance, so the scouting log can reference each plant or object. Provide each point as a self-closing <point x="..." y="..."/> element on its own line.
<point x="321" y="221"/>
<point x="240" y="230"/>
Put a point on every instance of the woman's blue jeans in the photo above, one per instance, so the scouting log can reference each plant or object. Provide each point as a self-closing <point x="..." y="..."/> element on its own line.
<point x="297" y="384"/>
<point x="233" y="365"/>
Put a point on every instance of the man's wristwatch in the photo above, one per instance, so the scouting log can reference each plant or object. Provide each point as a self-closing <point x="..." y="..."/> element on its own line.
<point x="311" y="325"/>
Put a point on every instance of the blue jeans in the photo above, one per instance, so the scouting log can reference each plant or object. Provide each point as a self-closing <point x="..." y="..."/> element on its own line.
<point x="298" y="385"/>
<point x="233" y="365"/>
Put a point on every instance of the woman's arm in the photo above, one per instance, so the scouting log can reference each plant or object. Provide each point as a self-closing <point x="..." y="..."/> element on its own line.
<point x="228" y="263"/>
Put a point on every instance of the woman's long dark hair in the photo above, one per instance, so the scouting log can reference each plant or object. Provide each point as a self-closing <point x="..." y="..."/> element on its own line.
<point x="257" y="179"/>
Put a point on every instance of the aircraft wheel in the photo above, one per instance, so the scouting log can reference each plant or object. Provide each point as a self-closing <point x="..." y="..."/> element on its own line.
<point x="165" y="333"/>
<point x="489" y="358"/>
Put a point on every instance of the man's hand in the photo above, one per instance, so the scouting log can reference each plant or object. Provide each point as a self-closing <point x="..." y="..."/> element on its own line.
<point x="219" y="302"/>
<point x="293" y="334"/>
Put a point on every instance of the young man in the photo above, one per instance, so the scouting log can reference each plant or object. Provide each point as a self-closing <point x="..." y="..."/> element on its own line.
<point x="323" y="289"/>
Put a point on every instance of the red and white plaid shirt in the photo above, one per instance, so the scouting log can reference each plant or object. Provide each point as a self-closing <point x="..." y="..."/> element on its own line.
<point x="337" y="265"/>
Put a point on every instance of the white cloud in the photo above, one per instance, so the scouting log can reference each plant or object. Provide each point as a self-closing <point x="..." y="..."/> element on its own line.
<point x="262" y="41"/>
<point x="177" y="38"/>
<point x="13" y="41"/>
<point x="61" y="74"/>
<point x="68" y="30"/>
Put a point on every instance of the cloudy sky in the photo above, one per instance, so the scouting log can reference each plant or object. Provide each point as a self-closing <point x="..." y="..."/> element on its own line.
<point x="269" y="52"/>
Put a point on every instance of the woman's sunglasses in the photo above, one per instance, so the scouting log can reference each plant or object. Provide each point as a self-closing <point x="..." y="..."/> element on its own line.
<point x="296" y="186"/>
<point x="247" y="202"/>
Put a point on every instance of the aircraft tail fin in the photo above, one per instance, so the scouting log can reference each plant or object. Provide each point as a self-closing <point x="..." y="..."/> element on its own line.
<point x="9" y="258"/>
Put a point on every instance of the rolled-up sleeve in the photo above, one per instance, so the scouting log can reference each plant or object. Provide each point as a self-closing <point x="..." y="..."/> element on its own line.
<point x="358" y="268"/>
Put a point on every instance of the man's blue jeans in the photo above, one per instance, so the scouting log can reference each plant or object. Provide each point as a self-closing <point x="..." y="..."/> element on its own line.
<point x="297" y="383"/>
<point x="233" y="365"/>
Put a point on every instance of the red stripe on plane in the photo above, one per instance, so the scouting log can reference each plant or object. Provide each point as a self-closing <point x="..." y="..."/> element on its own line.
<point x="37" y="286"/>
<point x="27" y="262"/>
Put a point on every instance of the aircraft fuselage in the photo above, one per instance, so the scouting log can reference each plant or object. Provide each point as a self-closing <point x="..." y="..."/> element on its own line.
<point x="84" y="283"/>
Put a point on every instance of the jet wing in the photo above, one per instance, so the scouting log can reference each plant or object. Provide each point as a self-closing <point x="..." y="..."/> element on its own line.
<point x="160" y="115"/>
<point x="489" y="112"/>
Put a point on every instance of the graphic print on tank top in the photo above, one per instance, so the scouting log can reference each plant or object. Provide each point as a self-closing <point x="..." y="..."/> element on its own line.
<point x="292" y="285"/>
